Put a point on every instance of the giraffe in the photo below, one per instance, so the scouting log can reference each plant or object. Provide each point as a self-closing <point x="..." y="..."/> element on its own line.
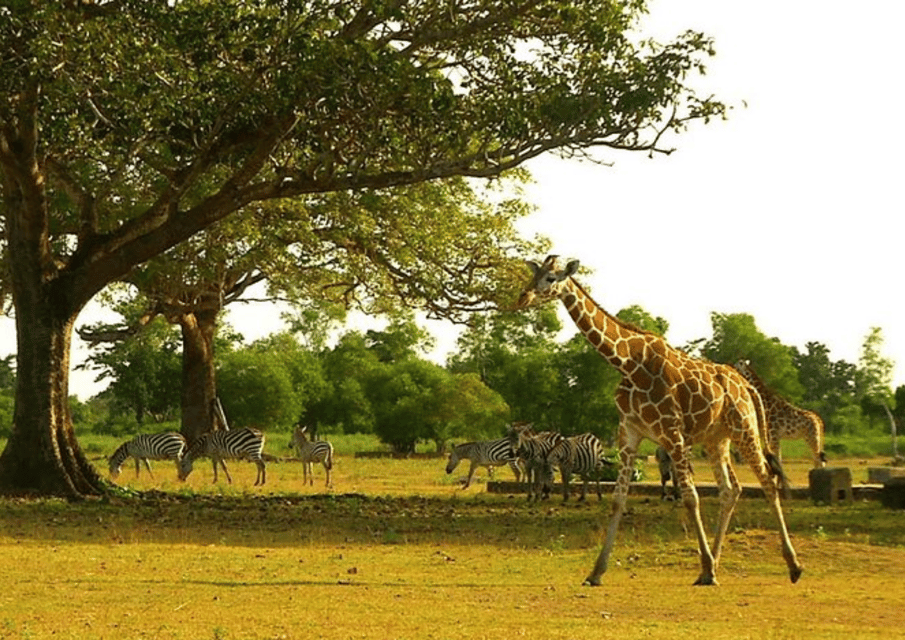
<point x="677" y="401"/>
<point x="785" y="420"/>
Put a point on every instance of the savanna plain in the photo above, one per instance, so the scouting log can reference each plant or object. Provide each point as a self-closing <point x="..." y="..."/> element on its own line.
<point x="397" y="549"/>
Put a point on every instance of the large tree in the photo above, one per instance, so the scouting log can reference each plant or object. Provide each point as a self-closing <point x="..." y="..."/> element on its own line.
<point x="127" y="126"/>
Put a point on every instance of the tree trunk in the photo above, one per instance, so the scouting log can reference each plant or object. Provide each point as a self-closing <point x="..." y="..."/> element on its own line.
<point x="199" y="387"/>
<point x="42" y="456"/>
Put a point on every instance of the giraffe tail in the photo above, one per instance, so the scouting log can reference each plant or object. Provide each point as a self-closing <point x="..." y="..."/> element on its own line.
<point x="773" y="464"/>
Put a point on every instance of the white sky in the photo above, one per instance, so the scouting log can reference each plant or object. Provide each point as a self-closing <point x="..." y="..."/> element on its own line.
<point x="790" y="210"/>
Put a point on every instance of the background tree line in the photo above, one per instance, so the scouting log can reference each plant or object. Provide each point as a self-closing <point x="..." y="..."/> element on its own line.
<point x="506" y="367"/>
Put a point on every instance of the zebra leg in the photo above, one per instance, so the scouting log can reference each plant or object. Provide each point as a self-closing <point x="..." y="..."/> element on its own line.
<point x="229" y="478"/>
<point x="137" y="466"/>
<point x="148" y="467"/>
<point x="327" y="471"/>
<point x="262" y="473"/>
<point x="471" y="470"/>
<point x="516" y="469"/>
<point x="566" y="475"/>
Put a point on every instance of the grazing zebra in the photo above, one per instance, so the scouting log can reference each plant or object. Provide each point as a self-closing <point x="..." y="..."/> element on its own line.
<point x="487" y="453"/>
<point x="239" y="444"/>
<point x="148" y="446"/>
<point x="667" y="473"/>
<point x="532" y="448"/>
<point x="310" y="452"/>
<point x="582" y="455"/>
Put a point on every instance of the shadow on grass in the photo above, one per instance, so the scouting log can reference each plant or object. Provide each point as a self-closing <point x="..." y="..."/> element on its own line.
<point x="506" y="522"/>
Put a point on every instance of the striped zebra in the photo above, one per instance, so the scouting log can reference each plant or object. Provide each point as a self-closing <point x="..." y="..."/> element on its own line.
<point x="532" y="448"/>
<point x="309" y="452"/>
<point x="169" y="445"/>
<point x="238" y="444"/>
<point x="487" y="453"/>
<point x="581" y="455"/>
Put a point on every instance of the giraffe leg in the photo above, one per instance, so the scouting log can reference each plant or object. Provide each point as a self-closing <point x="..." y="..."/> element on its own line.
<point x="758" y="464"/>
<point x="813" y="440"/>
<point x="730" y="491"/>
<point x="692" y="504"/>
<point x="627" y="453"/>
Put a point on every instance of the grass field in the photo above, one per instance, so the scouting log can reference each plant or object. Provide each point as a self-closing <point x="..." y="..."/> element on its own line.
<point x="397" y="550"/>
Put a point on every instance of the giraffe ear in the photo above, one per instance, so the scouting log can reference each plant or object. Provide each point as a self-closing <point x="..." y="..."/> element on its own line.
<point x="571" y="269"/>
<point x="533" y="266"/>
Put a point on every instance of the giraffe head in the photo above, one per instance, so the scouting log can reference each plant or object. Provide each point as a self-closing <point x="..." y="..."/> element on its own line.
<point x="744" y="367"/>
<point x="546" y="281"/>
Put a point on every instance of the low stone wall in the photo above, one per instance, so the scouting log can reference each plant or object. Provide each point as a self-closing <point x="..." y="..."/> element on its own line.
<point x="859" y="492"/>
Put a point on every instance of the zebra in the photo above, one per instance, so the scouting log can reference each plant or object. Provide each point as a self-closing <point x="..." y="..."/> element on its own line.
<point x="239" y="444"/>
<point x="487" y="453"/>
<point x="667" y="472"/>
<point x="169" y="445"/>
<point x="311" y="451"/>
<point x="532" y="448"/>
<point x="582" y="455"/>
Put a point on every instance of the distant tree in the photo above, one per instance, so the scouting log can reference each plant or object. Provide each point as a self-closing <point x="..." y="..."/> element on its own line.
<point x="306" y="375"/>
<point x="143" y="370"/>
<point x="256" y="390"/>
<point x="469" y="410"/>
<point x="873" y="383"/>
<point x="639" y="317"/>
<point x="347" y="368"/>
<point x="736" y="336"/>
<point x="829" y="387"/>
<point x="400" y="340"/>
<point x="407" y="398"/>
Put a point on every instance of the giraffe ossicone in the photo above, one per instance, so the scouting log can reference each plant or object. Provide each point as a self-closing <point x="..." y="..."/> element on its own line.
<point x="676" y="401"/>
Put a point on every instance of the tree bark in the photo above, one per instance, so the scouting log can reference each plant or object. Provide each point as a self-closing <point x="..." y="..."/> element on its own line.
<point x="42" y="456"/>
<point x="199" y="387"/>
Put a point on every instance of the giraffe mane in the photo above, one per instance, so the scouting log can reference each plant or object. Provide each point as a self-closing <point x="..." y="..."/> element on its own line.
<point x="625" y="324"/>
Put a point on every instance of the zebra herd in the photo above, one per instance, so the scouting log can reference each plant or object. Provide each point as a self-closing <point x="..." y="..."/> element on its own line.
<point x="219" y="446"/>
<point x="536" y="455"/>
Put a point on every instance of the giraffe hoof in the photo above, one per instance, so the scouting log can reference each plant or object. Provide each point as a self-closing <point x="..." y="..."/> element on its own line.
<point x="795" y="573"/>
<point x="591" y="581"/>
<point x="706" y="581"/>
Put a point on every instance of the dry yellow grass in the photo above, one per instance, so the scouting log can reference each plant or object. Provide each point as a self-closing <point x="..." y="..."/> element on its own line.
<point x="398" y="551"/>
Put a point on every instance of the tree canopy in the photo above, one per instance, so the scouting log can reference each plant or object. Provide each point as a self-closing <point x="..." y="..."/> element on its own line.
<point x="128" y="126"/>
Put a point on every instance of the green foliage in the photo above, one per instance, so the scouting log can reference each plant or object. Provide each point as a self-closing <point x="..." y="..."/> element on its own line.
<point x="7" y="403"/>
<point x="256" y="390"/>
<point x="736" y="336"/>
<point x="144" y="371"/>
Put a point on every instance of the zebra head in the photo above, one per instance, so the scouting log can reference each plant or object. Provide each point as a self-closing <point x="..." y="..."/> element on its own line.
<point x="116" y="460"/>
<point x="184" y="467"/>
<point x="517" y="433"/>
<point x="453" y="460"/>
<point x="299" y="437"/>
<point x="186" y="462"/>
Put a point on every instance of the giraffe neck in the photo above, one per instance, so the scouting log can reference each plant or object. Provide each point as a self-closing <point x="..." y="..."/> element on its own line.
<point x="621" y="345"/>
